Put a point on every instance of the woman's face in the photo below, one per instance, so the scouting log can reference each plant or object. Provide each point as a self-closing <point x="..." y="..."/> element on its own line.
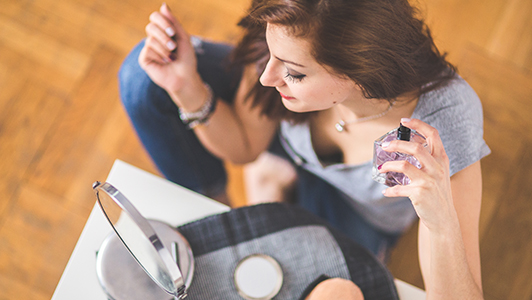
<point x="304" y="84"/>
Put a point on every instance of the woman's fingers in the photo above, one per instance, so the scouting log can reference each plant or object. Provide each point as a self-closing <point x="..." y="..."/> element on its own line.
<point x="430" y="157"/>
<point x="173" y="21"/>
<point x="398" y="191"/>
<point x="430" y="133"/>
<point x="168" y="45"/>
<point x="164" y="19"/>
<point x="420" y="182"/>
<point x="168" y="56"/>
<point x="160" y="45"/>
<point x="163" y="29"/>
<point x="402" y="166"/>
<point x="434" y="164"/>
<point x="412" y="148"/>
<point x="185" y="50"/>
<point x="167" y="13"/>
<point x="149" y="55"/>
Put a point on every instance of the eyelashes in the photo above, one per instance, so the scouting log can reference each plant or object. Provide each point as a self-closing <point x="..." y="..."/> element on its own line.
<point x="294" y="78"/>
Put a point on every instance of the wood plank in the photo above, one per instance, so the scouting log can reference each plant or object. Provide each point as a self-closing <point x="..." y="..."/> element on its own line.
<point x="235" y="185"/>
<point x="44" y="50"/>
<point x="11" y="8"/>
<point x="52" y="20"/>
<point x="220" y="13"/>
<point x="26" y="117"/>
<point x="72" y="142"/>
<point x="23" y="66"/>
<point x="112" y="141"/>
<point x="516" y="47"/>
<point x="79" y="25"/>
<point x="28" y="250"/>
<point x="455" y="24"/>
<point x="16" y="142"/>
<point x="16" y="289"/>
<point x="509" y="236"/>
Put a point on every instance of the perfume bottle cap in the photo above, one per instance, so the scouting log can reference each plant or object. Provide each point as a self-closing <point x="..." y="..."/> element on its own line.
<point x="403" y="133"/>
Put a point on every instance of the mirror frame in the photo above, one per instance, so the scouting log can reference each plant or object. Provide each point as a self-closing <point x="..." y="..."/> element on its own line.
<point x="172" y="268"/>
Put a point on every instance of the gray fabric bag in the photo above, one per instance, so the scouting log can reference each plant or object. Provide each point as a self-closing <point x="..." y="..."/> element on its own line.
<point x="304" y="245"/>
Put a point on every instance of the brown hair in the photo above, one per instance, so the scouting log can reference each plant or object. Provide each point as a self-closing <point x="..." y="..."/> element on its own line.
<point x="380" y="44"/>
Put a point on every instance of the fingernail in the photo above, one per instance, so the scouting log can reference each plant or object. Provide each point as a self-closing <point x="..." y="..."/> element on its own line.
<point x="385" y="144"/>
<point x="405" y="120"/>
<point x="379" y="167"/>
<point x="171" y="45"/>
<point x="169" y="31"/>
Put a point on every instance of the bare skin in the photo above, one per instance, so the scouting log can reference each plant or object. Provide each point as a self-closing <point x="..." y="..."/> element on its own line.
<point x="448" y="207"/>
<point x="336" y="288"/>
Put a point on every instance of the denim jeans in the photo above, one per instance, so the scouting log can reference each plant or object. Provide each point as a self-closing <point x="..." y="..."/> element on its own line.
<point x="182" y="159"/>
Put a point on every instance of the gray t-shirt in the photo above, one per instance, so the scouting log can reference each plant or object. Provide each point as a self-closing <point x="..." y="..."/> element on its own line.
<point x="454" y="110"/>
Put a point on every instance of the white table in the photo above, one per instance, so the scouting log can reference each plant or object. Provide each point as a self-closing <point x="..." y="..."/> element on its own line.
<point x="155" y="198"/>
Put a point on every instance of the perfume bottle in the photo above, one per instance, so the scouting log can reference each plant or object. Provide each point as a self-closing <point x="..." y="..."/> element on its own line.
<point x="380" y="156"/>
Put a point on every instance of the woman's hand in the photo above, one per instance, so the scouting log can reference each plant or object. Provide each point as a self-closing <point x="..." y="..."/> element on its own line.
<point x="430" y="186"/>
<point x="336" y="288"/>
<point x="168" y="57"/>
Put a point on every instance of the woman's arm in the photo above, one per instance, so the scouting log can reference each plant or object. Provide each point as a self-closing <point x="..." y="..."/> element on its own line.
<point x="234" y="132"/>
<point x="252" y="132"/>
<point x="448" y="210"/>
<point x="467" y="193"/>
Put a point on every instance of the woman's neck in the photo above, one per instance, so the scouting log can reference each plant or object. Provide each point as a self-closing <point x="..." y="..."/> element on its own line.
<point x="362" y="108"/>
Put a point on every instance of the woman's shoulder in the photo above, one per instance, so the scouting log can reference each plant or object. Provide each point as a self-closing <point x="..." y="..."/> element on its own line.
<point x="454" y="100"/>
<point x="455" y="110"/>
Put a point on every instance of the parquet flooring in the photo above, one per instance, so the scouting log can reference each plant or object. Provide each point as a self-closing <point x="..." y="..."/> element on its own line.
<point x="62" y="125"/>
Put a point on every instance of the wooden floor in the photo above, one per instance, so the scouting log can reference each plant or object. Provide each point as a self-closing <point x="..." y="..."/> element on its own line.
<point x="62" y="125"/>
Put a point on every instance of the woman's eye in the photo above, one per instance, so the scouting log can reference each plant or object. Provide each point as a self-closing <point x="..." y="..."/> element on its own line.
<point x="295" y="78"/>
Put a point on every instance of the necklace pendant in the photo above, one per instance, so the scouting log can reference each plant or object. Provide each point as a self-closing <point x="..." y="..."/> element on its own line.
<point x="340" y="126"/>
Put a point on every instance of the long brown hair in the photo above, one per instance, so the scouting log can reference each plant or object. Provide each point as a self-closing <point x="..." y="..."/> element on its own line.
<point x="382" y="45"/>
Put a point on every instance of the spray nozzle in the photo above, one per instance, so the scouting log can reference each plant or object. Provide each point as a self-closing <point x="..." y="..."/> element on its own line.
<point x="403" y="133"/>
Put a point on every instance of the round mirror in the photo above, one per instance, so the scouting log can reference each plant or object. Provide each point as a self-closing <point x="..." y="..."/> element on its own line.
<point x="140" y="239"/>
<point x="258" y="277"/>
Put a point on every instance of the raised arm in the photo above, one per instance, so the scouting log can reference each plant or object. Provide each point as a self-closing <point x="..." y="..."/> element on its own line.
<point x="449" y="211"/>
<point x="233" y="132"/>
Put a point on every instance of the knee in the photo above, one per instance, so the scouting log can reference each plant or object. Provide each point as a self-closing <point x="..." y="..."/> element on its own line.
<point x="133" y="81"/>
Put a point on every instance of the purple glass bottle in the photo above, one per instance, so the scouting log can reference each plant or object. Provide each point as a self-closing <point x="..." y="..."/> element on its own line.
<point x="380" y="156"/>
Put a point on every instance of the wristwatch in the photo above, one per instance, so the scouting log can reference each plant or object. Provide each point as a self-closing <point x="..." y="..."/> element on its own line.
<point x="202" y="115"/>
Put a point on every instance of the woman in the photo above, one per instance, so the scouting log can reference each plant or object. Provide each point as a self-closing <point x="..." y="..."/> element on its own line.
<point x="317" y="82"/>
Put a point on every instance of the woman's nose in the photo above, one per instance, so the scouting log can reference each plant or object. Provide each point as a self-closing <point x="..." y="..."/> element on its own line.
<point x="271" y="76"/>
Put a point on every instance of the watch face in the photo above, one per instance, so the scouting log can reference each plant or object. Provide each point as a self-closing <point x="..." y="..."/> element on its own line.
<point x="258" y="277"/>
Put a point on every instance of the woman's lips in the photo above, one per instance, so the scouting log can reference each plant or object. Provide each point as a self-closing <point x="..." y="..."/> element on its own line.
<point x="286" y="97"/>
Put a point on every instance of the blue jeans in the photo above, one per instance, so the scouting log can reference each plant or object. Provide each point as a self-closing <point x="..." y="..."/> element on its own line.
<point x="182" y="159"/>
